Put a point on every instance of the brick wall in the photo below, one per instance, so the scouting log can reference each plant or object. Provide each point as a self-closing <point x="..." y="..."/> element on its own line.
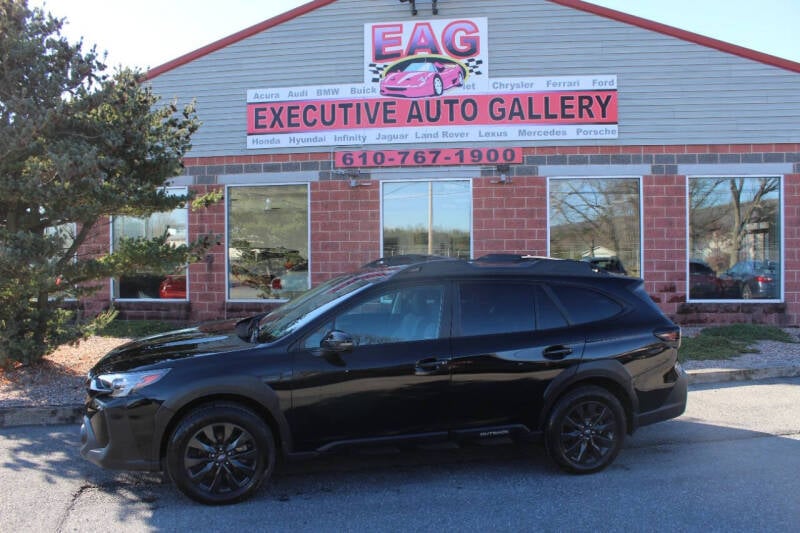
<point x="664" y="219"/>
<point x="345" y="227"/>
<point x="512" y="217"/>
<point x="509" y="217"/>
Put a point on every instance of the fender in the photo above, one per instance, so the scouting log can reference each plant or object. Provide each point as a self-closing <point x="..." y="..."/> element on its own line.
<point x="604" y="369"/>
<point x="249" y="387"/>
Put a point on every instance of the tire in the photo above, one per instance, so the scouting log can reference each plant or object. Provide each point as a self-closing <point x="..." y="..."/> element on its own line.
<point x="438" y="86"/>
<point x="585" y="430"/>
<point x="747" y="292"/>
<point x="460" y="80"/>
<point x="220" y="454"/>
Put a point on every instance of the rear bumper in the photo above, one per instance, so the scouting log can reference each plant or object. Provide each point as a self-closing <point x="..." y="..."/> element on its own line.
<point x="674" y="405"/>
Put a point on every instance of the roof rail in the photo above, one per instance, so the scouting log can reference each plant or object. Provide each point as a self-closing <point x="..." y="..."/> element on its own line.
<point x="503" y="262"/>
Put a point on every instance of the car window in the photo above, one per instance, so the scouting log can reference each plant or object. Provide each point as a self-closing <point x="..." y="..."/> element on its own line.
<point x="398" y="315"/>
<point x="548" y="315"/>
<point x="488" y="308"/>
<point x="585" y="305"/>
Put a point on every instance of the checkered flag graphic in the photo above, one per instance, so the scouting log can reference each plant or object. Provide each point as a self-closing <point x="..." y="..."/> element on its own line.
<point x="376" y="71"/>
<point x="473" y="65"/>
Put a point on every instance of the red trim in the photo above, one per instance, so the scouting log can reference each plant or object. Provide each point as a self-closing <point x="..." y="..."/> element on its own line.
<point x="696" y="38"/>
<point x="236" y="37"/>
<point x="619" y="16"/>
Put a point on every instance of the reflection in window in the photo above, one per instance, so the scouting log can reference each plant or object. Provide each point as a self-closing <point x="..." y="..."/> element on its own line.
<point x="267" y="241"/>
<point x="597" y="220"/>
<point x="153" y="283"/>
<point x="427" y="217"/>
<point x="401" y="315"/>
<point x="734" y="238"/>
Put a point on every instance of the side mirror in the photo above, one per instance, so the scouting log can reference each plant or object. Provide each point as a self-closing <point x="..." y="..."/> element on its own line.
<point x="337" y="341"/>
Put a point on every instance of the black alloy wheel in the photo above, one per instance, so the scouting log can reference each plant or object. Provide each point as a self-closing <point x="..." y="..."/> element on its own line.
<point x="220" y="454"/>
<point x="585" y="430"/>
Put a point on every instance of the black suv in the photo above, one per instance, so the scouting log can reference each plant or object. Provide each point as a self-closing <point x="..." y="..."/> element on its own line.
<point x="439" y="349"/>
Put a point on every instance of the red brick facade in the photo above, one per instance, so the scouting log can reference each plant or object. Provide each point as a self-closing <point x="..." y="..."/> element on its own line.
<point x="510" y="217"/>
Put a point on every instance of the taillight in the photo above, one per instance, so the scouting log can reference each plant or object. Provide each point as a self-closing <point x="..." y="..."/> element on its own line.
<point x="763" y="279"/>
<point x="276" y="284"/>
<point x="671" y="336"/>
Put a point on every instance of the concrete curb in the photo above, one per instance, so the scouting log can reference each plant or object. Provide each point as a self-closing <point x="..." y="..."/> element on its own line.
<point x="721" y="375"/>
<point x="73" y="414"/>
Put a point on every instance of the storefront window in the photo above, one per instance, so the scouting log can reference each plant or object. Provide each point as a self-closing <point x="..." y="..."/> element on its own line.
<point x="597" y="220"/>
<point x="427" y="217"/>
<point x="153" y="283"/>
<point x="734" y="238"/>
<point x="267" y="242"/>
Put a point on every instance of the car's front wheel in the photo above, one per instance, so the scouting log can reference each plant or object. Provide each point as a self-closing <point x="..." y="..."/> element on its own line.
<point x="438" y="86"/>
<point x="220" y="453"/>
<point x="585" y="430"/>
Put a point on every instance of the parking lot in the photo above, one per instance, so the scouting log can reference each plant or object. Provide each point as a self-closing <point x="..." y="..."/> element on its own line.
<point x="730" y="463"/>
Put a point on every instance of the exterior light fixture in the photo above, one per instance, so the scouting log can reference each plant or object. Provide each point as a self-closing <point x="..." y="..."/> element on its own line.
<point x="503" y="171"/>
<point x="413" y="3"/>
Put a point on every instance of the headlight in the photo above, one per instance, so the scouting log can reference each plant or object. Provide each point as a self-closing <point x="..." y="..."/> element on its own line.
<point x="124" y="383"/>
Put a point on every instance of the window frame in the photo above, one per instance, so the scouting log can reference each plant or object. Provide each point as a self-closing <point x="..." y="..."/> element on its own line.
<point x="781" y="219"/>
<point x="410" y="179"/>
<point x="230" y="186"/>
<point x="114" y="281"/>
<point x="642" y="261"/>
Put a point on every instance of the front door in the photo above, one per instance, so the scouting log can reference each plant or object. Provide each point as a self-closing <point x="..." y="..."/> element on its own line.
<point x="392" y="382"/>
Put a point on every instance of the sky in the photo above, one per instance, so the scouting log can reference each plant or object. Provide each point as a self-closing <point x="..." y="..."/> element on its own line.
<point x="148" y="33"/>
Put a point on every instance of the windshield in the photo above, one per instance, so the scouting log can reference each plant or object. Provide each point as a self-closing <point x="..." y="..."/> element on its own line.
<point x="292" y="315"/>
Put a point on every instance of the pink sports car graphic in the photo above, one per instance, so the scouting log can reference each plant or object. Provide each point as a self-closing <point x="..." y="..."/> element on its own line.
<point x="422" y="78"/>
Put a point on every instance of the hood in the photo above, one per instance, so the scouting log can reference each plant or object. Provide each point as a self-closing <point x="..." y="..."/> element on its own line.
<point x="203" y="340"/>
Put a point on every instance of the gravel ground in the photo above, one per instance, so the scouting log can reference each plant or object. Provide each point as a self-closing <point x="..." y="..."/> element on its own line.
<point x="60" y="380"/>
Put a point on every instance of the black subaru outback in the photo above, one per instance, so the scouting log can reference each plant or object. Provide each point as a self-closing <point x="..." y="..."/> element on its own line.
<point x="431" y="350"/>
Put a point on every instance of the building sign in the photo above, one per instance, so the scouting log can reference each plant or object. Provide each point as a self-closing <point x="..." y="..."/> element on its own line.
<point x="416" y="59"/>
<point x="427" y="157"/>
<point x="427" y="82"/>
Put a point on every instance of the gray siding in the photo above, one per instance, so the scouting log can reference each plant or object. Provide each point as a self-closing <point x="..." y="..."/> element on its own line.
<point x="670" y="91"/>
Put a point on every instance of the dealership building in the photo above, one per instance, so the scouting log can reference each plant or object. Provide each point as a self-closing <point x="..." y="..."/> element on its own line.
<point x="347" y="130"/>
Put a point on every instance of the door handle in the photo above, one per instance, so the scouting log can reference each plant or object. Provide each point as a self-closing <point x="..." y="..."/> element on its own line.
<point x="431" y="365"/>
<point x="556" y="352"/>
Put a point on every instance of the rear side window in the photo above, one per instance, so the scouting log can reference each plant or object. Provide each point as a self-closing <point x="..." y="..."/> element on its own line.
<point x="494" y="307"/>
<point x="547" y="312"/>
<point x="585" y="305"/>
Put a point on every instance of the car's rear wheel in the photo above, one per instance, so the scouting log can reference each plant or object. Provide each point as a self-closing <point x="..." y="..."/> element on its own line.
<point x="585" y="430"/>
<point x="220" y="454"/>
<point x="747" y="292"/>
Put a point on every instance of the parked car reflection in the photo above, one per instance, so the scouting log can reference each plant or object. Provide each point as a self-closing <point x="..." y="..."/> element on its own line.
<point x="703" y="281"/>
<point x="751" y="279"/>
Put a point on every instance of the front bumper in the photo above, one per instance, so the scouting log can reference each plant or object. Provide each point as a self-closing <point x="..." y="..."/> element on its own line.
<point x="119" y="435"/>
<point x="673" y="406"/>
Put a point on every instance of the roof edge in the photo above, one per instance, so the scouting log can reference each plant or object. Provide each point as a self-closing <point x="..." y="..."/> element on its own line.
<point x="581" y="5"/>
<point x="685" y="35"/>
<point x="236" y="37"/>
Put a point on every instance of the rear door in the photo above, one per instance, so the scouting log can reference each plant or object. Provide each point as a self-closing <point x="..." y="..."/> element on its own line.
<point x="510" y="342"/>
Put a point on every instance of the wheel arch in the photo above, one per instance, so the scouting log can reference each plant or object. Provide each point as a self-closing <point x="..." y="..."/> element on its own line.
<point x="609" y="375"/>
<point x="263" y="403"/>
